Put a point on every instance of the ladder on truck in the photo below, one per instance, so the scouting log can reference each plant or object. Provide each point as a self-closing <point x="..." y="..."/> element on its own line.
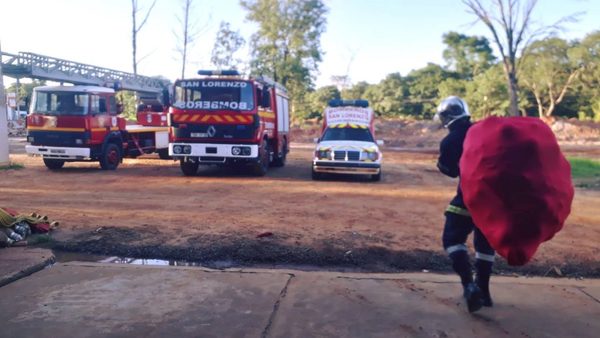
<point x="36" y="66"/>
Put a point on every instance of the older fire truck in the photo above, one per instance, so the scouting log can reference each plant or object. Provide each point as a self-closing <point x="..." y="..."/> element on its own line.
<point x="82" y="123"/>
<point x="225" y="119"/>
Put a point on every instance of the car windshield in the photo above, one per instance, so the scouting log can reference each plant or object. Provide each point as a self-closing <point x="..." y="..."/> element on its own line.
<point x="214" y="95"/>
<point x="60" y="103"/>
<point x="347" y="134"/>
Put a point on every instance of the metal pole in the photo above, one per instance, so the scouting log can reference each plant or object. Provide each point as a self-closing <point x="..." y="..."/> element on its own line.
<point x="3" y="119"/>
<point x="17" y="99"/>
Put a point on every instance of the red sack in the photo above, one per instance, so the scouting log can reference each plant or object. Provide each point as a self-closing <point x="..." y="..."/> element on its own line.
<point x="516" y="184"/>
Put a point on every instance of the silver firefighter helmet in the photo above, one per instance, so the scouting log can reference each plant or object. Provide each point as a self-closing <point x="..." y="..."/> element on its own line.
<point x="450" y="110"/>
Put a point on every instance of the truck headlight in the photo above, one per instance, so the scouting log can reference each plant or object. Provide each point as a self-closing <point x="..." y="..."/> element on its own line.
<point x="243" y="151"/>
<point x="177" y="149"/>
<point x="187" y="149"/>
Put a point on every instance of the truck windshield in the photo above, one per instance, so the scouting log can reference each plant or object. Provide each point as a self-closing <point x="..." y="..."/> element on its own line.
<point x="214" y="94"/>
<point x="61" y="103"/>
<point x="347" y="134"/>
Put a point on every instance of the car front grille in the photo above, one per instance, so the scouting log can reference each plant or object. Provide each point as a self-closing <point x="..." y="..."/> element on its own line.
<point x="341" y="155"/>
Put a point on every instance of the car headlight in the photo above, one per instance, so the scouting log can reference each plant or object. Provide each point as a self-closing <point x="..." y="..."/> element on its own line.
<point x="323" y="154"/>
<point x="369" y="155"/>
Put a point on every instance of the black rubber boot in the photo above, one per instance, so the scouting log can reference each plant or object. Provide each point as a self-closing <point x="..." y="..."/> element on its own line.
<point x="484" y="271"/>
<point x="462" y="266"/>
<point x="473" y="297"/>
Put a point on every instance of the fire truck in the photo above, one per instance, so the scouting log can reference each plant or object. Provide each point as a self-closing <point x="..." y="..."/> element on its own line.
<point x="82" y="123"/>
<point x="222" y="118"/>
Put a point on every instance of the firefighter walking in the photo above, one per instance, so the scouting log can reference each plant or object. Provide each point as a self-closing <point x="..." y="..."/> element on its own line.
<point x="453" y="113"/>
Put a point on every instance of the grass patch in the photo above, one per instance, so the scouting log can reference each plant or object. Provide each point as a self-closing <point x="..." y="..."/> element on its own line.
<point x="10" y="166"/>
<point x="584" y="167"/>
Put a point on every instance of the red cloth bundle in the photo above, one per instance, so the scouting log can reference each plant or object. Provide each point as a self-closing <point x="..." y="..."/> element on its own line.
<point x="516" y="184"/>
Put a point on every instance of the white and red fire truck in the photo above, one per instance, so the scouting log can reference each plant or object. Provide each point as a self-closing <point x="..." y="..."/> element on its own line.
<point x="82" y="123"/>
<point x="223" y="118"/>
<point x="347" y="144"/>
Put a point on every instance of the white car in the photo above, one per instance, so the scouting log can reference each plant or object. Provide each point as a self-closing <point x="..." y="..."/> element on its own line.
<point x="347" y="150"/>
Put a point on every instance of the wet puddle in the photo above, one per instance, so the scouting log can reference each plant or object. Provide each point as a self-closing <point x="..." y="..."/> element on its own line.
<point x="65" y="257"/>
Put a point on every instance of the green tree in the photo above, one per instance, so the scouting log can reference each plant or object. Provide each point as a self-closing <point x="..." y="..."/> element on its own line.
<point x="486" y="93"/>
<point x="423" y="86"/>
<point x="587" y="55"/>
<point x="356" y="92"/>
<point x="548" y="72"/>
<point x="227" y="43"/>
<point x="318" y="100"/>
<point x="510" y="23"/>
<point x="287" y="45"/>
<point x="467" y="55"/>
<point x="388" y="96"/>
<point x="129" y="102"/>
<point x="25" y="91"/>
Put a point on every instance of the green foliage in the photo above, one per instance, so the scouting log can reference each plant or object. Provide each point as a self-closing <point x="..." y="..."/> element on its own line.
<point x="25" y="91"/>
<point x="227" y="43"/>
<point x="424" y="87"/>
<point x="486" y="94"/>
<point x="548" y="72"/>
<point x="584" y="167"/>
<point x="467" y="55"/>
<point x="287" y="45"/>
<point x="318" y="100"/>
<point x="129" y="102"/>
<point x="355" y="92"/>
<point x="387" y="98"/>
<point x="12" y="166"/>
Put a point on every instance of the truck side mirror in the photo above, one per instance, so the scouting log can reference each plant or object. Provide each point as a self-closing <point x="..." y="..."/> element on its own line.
<point x="316" y="140"/>
<point x="380" y="142"/>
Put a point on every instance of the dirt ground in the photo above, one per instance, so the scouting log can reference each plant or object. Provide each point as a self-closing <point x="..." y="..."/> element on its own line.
<point x="148" y="209"/>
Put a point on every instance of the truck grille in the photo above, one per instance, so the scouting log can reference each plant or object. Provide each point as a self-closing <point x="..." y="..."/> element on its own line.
<point x="341" y="155"/>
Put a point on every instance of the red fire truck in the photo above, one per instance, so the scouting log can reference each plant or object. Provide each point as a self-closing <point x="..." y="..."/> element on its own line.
<point x="82" y="123"/>
<point x="223" y="118"/>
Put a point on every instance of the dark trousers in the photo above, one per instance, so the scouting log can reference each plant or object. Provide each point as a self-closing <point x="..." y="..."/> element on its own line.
<point x="458" y="228"/>
<point x="456" y="231"/>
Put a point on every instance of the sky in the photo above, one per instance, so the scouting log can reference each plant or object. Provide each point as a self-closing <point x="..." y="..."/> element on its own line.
<point x="365" y="39"/>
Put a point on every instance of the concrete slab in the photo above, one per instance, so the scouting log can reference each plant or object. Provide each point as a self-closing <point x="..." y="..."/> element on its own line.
<point x="593" y="292"/>
<point x="18" y="262"/>
<point x="91" y="300"/>
<point x="363" y="306"/>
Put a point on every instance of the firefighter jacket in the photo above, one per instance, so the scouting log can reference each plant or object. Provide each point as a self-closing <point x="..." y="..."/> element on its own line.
<point x="451" y="149"/>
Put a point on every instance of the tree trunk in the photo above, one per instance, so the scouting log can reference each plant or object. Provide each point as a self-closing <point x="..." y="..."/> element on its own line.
<point x="513" y="90"/>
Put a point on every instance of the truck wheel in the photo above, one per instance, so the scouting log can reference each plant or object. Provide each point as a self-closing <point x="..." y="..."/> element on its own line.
<point x="111" y="157"/>
<point x="188" y="168"/>
<point x="376" y="177"/>
<point x="163" y="154"/>
<point x="53" y="164"/>
<point x="280" y="160"/>
<point x="262" y="166"/>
